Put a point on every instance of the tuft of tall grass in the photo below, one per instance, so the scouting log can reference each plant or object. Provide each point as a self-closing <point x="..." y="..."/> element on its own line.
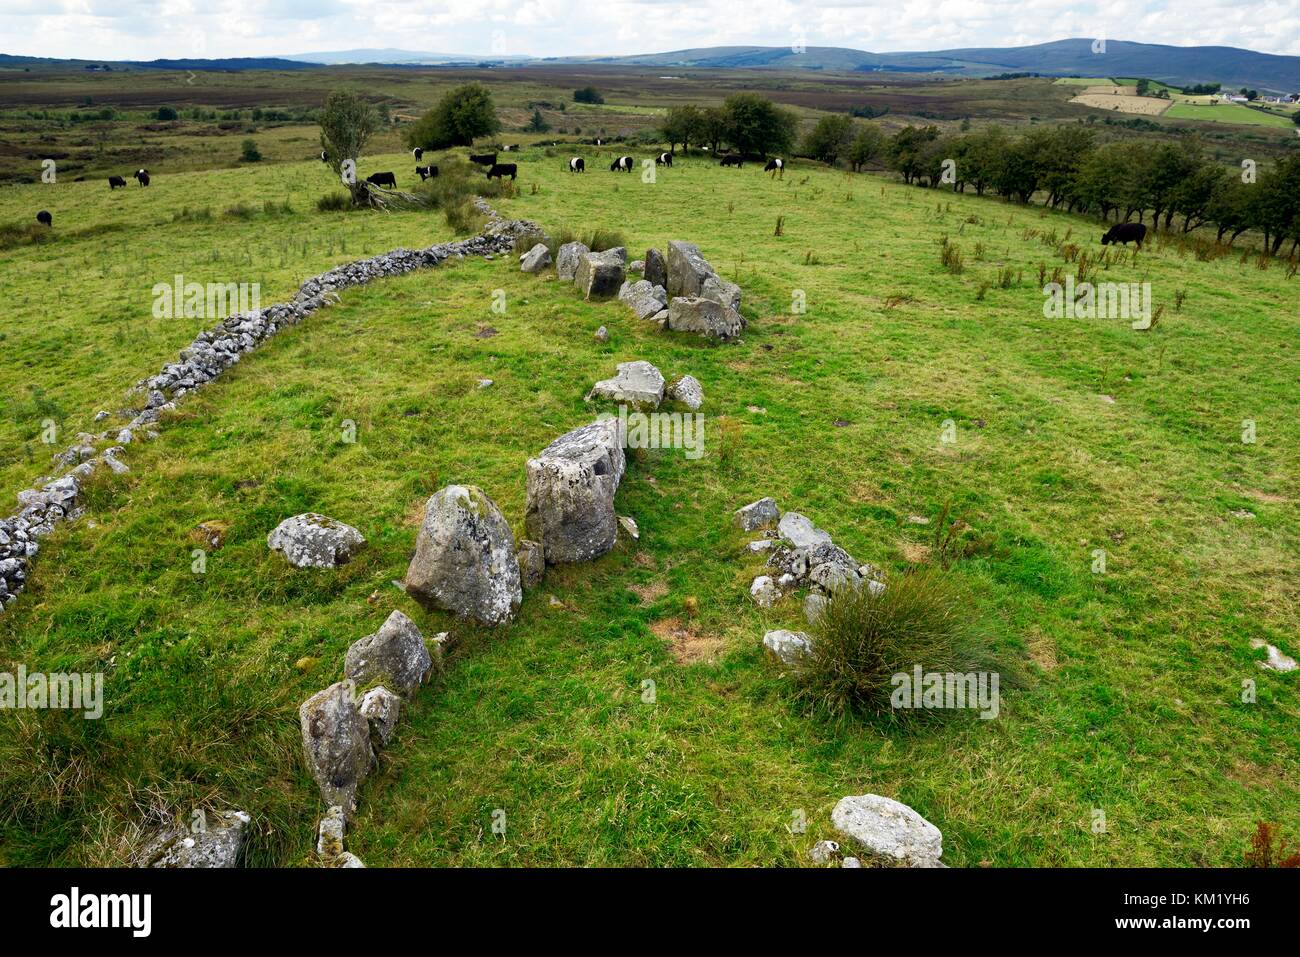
<point x="861" y="640"/>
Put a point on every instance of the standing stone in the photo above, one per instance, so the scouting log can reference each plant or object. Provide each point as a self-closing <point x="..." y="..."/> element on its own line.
<point x="532" y="564"/>
<point x="536" y="259"/>
<point x="567" y="259"/>
<point x="465" y="557"/>
<point x="336" y="741"/>
<point x="889" y="829"/>
<point x="688" y="391"/>
<point x="395" y="654"/>
<point x="656" y="268"/>
<point x="756" y="515"/>
<point x="687" y="269"/>
<point x="704" y="317"/>
<point x="601" y="275"/>
<point x="722" y="291"/>
<point x="380" y="707"/>
<point x="314" y="541"/>
<point x="571" y="486"/>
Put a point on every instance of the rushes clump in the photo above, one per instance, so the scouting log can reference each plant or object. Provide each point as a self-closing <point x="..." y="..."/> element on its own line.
<point x="861" y="640"/>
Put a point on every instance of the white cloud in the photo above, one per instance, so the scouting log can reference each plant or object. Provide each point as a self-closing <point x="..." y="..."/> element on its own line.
<point x="144" y="29"/>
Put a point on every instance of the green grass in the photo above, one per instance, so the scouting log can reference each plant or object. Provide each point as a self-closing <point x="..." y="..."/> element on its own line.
<point x="1131" y="696"/>
<point x="1227" y="113"/>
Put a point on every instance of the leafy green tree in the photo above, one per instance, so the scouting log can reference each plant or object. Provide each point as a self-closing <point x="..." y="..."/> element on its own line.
<point x="462" y="115"/>
<point x="346" y="123"/>
<point x="167" y="113"/>
<point x="829" y="139"/>
<point x="683" y="124"/>
<point x="756" y="125"/>
<point x="537" y="124"/>
<point x="713" y="127"/>
<point x="251" y="154"/>
<point x="588" y="94"/>
<point x="906" y="148"/>
<point x="868" y="143"/>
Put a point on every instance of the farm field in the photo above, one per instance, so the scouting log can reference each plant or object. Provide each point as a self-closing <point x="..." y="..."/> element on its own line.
<point x="1122" y="689"/>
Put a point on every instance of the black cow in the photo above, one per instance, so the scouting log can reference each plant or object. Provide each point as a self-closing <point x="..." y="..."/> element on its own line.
<point x="483" y="159"/>
<point x="623" y="164"/>
<point x="732" y="159"/>
<point x="142" y="177"/>
<point x="418" y="154"/>
<point x="115" y="181"/>
<point x="44" y="218"/>
<point x="382" y="179"/>
<point x="664" y="159"/>
<point x="503" y="169"/>
<point x="427" y="172"/>
<point x="324" y="157"/>
<point x="577" y="165"/>
<point x="1125" y="233"/>
<point x="775" y="165"/>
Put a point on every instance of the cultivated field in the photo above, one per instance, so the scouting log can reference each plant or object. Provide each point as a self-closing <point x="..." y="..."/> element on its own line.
<point x="1122" y="690"/>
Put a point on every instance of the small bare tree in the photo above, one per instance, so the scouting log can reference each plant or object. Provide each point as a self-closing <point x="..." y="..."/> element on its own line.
<point x="346" y="123"/>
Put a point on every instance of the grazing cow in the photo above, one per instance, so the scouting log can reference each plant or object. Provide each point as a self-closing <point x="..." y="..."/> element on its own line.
<point x="483" y="159"/>
<point x="324" y="157"/>
<point x="1124" y="233"/>
<point x="577" y="165"/>
<point x="142" y="177"/>
<point x="664" y="159"/>
<point x="382" y="179"/>
<point x="732" y="159"/>
<point x="623" y="163"/>
<point x="500" y="170"/>
<point x="44" y="218"/>
<point x="427" y="172"/>
<point x="775" y="165"/>
<point x="418" y="154"/>
<point x="115" y="181"/>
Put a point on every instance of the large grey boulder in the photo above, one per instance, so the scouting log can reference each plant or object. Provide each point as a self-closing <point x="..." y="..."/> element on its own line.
<point x="209" y="839"/>
<point x="536" y="259"/>
<point x="336" y="742"/>
<point x="758" y="514"/>
<point x="638" y="383"/>
<point x="571" y="486"/>
<point x="722" y="291"/>
<point x="567" y="258"/>
<point x="395" y="654"/>
<point x="643" y="297"/>
<point x="687" y="269"/>
<point x="656" y="268"/>
<point x="799" y="531"/>
<point x="465" y="557"/>
<point x="889" y="829"/>
<point x="314" y="541"/>
<point x="704" y="317"/>
<point x="601" y="275"/>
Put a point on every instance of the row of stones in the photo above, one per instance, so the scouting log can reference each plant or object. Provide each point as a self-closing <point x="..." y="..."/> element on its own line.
<point x="211" y="353"/>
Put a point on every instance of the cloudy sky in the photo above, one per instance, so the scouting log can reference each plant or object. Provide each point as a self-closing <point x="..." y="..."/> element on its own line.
<point x="140" y="29"/>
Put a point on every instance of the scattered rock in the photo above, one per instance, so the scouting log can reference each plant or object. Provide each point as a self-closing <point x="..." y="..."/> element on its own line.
<point x="485" y="383"/>
<point x="465" y="557"/>
<point x="789" y="646"/>
<point x="600" y="275"/>
<point x="567" y="259"/>
<point x="704" y="317"/>
<point x="347" y="859"/>
<point x="1276" y="661"/>
<point x="571" y="486"/>
<point x="850" y="862"/>
<point x="535" y="260"/>
<point x="602" y="335"/>
<point x="889" y="829"/>
<point x="823" y="852"/>
<point x="395" y="654"/>
<point x="656" y="268"/>
<point x="638" y="383"/>
<point x="762" y="545"/>
<point x="813" y="606"/>
<point x="329" y="835"/>
<point x="380" y="707"/>
<point x="688" y="391"/>
<point x="629" y="525"/>
<point x="800" y="532"/>
<point x="687" y="269"/>
<point x="756" y="515"/>
<point x="213" y="839"/>
<point x="764" y="591"/>
<point x="314" y="541"/>
<point x="643" y="297"/>
<point x="532" y="564"/>
<point x="336" y="742"/>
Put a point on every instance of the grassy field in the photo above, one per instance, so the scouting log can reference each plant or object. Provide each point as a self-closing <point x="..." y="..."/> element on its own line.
<point x="1122" y="691"/>
<point x="1228" y="113"/>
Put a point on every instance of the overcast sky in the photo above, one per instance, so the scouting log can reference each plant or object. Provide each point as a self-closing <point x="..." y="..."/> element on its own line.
<point x="138" y="29"/>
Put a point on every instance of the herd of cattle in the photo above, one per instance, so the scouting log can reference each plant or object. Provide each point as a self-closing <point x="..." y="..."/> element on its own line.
<point x="1123" y="233"/>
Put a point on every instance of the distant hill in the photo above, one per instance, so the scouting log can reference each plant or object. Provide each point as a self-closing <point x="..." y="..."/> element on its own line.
<point x="1178" y="65"/>
<point x="397" y="57"/>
